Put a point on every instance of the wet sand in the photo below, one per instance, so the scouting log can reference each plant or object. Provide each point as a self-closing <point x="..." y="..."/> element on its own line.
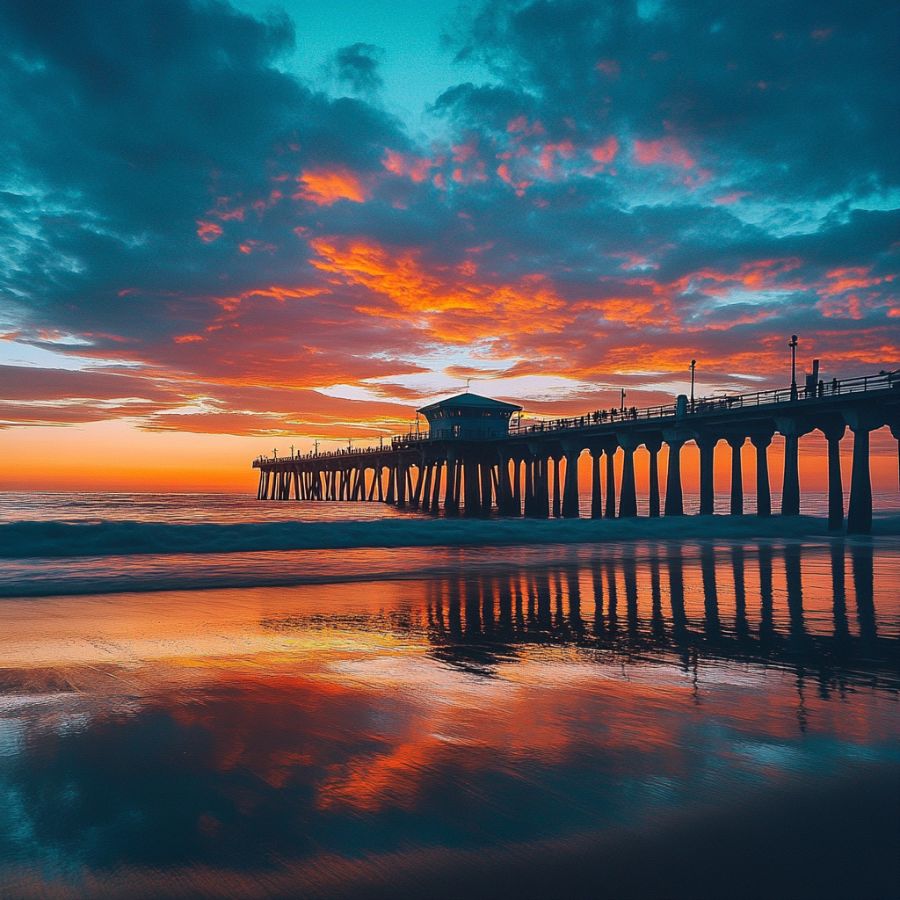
<point x="647" y="720"/>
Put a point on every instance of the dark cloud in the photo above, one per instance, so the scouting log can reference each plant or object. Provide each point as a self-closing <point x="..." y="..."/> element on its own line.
<point x="789" y="98"/>
<point x="356" y="67"/>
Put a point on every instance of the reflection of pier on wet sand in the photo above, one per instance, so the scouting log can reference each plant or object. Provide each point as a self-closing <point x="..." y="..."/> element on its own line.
<point x="732" y="603"/>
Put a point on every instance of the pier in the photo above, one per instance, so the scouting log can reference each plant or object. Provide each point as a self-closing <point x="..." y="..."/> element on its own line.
<point x="475" y="460"/>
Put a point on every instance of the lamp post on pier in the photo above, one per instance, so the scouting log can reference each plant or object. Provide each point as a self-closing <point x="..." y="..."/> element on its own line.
<point x="693" y="366"/>
<point x="622" y="406"/>
<point x="793" y="345"/>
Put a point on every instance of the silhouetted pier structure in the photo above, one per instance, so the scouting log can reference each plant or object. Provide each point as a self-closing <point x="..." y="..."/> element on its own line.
<point x="474" y="460"/>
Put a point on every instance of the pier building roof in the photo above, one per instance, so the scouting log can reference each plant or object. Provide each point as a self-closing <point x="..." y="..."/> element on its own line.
<point x="470" y="402"/>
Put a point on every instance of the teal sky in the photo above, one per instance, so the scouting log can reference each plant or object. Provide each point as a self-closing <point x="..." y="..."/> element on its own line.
<point x="417" y="64"/>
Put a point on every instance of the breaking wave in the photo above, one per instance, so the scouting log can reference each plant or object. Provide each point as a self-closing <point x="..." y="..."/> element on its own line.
<point x="28" y="540"/>
<point x="103" y="557"/>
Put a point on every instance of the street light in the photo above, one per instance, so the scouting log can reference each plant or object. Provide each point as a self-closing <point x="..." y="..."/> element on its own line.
<point x="793" y="345"/>
<point x="622" y="409"/>
<point x="693" y="366"/>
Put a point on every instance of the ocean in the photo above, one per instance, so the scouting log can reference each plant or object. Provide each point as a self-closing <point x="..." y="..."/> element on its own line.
<point x="206" y="695"/>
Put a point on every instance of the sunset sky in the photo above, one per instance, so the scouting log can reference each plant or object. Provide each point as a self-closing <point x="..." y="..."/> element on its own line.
<point x="228" y="228"/>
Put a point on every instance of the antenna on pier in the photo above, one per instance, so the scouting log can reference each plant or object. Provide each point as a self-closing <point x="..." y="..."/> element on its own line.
<point x="292" y="451"/>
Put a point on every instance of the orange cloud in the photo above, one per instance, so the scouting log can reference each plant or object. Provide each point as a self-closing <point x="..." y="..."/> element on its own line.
<point x="328" y="185"/>
<point x="451" y="301"/>
<point x="851" y="278"/>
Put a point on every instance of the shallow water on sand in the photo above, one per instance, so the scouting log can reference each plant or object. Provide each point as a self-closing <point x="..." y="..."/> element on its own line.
<point x="662" y="719"/>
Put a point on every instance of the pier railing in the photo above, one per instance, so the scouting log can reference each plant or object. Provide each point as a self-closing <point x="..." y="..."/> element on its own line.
<point x="823" y="390"/>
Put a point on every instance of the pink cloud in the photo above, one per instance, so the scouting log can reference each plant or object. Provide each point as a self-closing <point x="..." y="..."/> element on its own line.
<point x="406" y="165"/>
<point x="730" y="198"/>
<point x="603" y="154"/>
<point x="208" y="231"/>
<point x="667" y="151"/>
<point x="609" y="67"/>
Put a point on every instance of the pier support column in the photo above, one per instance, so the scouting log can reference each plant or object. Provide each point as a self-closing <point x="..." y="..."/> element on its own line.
<point x="542" y="487"/>
<point x="472" y="506"/>
<point x="596" y="493"/>
<point x="570" y="498"/>
<point x="895" y="432"/>
<point x="529" y="486"/>
<point x="557" y="488"/>
<point x="653" y="446"/>
<point x="610" y="482"/>
<point x="436" y="487"/>
<point x="674" y="496"/>
<point x="859" y="513"/>
<point x="391" y="485"/>
<point x="833" y="435"/>
<point x="763" y="493"/>
<point x="707" y="446"/>
<point x="486" y="488"/>
<point x="517" y="487"/>
<point x="628" y="498"/>
<point x="426" y="489"/>
<point x="737" y="476"/>
<point x="451" y="501"/>
<point x="401" y="483"/>
<point x="790" y="490"/>
<point x="504" y="487"/>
